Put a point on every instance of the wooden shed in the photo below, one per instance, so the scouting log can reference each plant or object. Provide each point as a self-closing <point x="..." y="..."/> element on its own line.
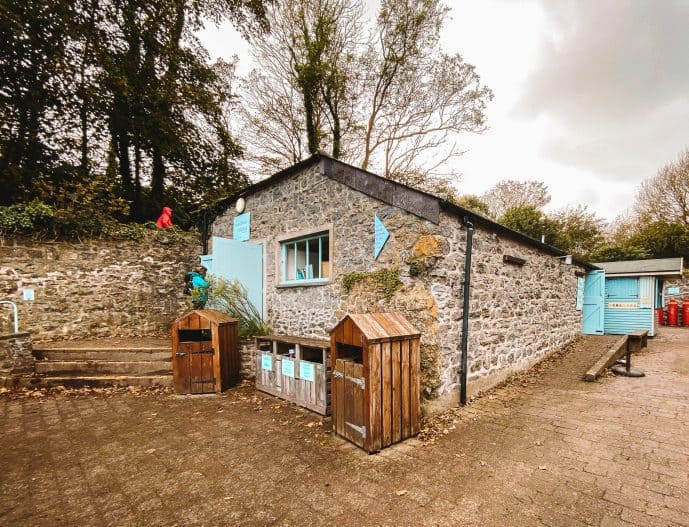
<point x="205" y="352"/>
<point x="375" y="395"/>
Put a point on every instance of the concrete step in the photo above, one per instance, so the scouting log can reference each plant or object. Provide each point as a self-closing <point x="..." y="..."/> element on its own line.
<point x="101" y="367"/>
<point x="108" y="354"/>
<point x="102" y="381"/>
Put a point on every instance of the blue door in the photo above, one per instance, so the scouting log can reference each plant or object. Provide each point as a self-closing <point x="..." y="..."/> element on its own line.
<point x="594" y="301"/>
<point x="241" y="261"/>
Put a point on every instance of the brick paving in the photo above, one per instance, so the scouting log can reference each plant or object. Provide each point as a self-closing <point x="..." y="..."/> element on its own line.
<point x="555" y="452"/>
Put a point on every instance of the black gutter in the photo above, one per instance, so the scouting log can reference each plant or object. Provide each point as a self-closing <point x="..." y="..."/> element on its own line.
<point x="465" y="312"/>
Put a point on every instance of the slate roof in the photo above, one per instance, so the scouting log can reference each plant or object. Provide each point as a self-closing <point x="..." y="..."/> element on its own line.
<point x="412" y="200"/>
<point x="655" y="267"/>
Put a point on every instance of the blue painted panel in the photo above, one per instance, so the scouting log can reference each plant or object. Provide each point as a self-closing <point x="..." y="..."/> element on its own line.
<point x="594" y="297"/>
<point x="380" y="236"/>
<point x="241" y="261"/>
<point x="622" y="288"/>
<point x="241" y="227"/>
<point x="624" y="310"/>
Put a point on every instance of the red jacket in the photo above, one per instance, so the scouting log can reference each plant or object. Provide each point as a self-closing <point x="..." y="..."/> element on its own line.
<point x="165" y="219"/>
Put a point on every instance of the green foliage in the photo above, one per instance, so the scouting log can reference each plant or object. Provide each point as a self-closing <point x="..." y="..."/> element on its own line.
<point x="474" y="204"/>
<point x="26" y="218"/>
<point x="529" y="220"/>
<point x="385" y="280"/>
<point x="232" y="298"/>
<point x="652" y="240"/>
<point x="577" y="231"/>
<point x="112" y="107"/>
<point x="40" y="220"/>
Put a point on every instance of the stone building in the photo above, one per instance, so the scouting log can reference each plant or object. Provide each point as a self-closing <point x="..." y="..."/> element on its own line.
<point x="318" y="235"/>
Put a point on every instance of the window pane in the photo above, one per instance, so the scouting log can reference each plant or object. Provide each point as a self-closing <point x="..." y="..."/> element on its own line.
<point x="313" y="269"/>
<point x="325" y="257"/>
<point x="289" y="263"/>
<point x="301" y="260"/>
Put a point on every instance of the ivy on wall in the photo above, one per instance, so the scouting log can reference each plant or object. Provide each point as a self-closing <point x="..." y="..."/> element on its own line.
<point x="385" y="280"/>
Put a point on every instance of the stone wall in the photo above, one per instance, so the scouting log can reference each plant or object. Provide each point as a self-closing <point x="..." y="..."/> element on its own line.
<point x="16" y="360"/>
<point x="518" y="314"/>
<point x="96" y="288"/>
<point x="682" y="283"/>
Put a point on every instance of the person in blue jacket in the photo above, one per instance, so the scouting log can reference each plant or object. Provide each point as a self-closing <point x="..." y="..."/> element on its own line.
<point x="199" y="286"/>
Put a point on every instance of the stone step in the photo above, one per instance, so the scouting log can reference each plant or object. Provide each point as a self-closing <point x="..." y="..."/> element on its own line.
<point x="107" y="354"/>
<point x="100" y="367"/>
<point x="102" y="381"/>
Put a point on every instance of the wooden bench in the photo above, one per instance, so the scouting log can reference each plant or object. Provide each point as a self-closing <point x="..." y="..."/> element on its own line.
<point x="638" y="340"/>
<point x="634" y="341"/>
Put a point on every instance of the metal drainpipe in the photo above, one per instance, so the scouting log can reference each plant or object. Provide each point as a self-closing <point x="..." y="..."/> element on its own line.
<point x="465" y="312"/>
<point x="204" y="231"/>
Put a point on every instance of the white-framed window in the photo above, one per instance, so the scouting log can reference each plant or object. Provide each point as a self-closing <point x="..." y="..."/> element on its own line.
<point x="305" y="260"/>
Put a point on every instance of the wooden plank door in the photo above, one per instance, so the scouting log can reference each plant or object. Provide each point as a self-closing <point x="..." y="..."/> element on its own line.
<point x="594" y="301"/>
<point x="181" y="375"/>
<point x="349" y="384"/>
<point x="201" y="355"/>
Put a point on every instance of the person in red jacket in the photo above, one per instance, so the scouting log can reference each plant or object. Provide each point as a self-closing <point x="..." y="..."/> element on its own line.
<point x="165" y="219"/>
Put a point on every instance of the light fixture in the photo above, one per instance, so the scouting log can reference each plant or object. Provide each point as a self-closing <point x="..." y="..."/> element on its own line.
<point x="240" y="205"/>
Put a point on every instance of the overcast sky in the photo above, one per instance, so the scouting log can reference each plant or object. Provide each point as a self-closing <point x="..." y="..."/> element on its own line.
<point x="591" y="97"/>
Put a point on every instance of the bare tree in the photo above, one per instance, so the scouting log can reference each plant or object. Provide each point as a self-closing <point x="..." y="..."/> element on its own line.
<point x="509" y="194"/>
<point x="665" y="197"/>
<point x="299" y="100"/>
<point x="390" y="101"/>
<point x="417" y="99"/>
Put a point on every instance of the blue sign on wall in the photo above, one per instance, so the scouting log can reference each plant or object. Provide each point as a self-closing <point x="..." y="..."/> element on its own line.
<point x="241" y="227"/>
<point x="673" y="290"/>
<point x="380" y="236"/>
<point x="306" y="371"/>
<point x="267" y="362"/>
<point x="288" y="368"/>
<point x="580" y="294"/>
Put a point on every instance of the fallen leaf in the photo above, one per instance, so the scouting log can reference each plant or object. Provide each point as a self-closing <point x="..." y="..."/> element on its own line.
<point x="150" y="450"/>
<point x="483" y="463"/>
<point x="541" y="467"/>
<point x="401" y="492"/>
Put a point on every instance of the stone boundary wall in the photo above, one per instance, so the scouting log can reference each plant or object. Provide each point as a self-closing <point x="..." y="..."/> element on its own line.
<point x="96" y="288"/>
<point x="16" y="359"/>
<point x="682" y="283"/>
<point x="519" y="314"/>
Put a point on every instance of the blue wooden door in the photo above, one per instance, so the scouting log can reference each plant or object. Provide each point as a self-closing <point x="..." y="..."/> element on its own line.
<point x="241" y="261"/>
<point x="594" y="301"/>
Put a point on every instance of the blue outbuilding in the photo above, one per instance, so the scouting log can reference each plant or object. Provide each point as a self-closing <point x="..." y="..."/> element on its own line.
<point x="621" y="297"/>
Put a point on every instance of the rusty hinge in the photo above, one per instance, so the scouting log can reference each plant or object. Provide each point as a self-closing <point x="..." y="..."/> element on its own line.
<point x="356" y="380"/>
<point x="204" y="352"/>
<point x="338" y="374"/>
<point x="360" y="429"/>
<point x="180" y="353"/>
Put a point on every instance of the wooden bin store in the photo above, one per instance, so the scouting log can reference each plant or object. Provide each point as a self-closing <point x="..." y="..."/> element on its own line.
<point x="205" y="352"/>
<point x="296" y="369"/>
<point x="375" y="387"/>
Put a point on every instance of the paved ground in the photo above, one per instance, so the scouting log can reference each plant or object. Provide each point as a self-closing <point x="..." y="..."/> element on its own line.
<point x="554" y="452"/>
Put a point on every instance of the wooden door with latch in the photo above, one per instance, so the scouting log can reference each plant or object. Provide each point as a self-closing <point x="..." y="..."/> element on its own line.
<point x="193" y="368"/>
<point x="349" y="384"/>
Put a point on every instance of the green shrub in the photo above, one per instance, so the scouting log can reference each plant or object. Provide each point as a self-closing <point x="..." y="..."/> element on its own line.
<point x="232" y="298"/>
<point x="27" y="218"/>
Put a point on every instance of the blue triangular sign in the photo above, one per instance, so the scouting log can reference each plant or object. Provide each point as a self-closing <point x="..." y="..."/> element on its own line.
<point x="380" y="236"/>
